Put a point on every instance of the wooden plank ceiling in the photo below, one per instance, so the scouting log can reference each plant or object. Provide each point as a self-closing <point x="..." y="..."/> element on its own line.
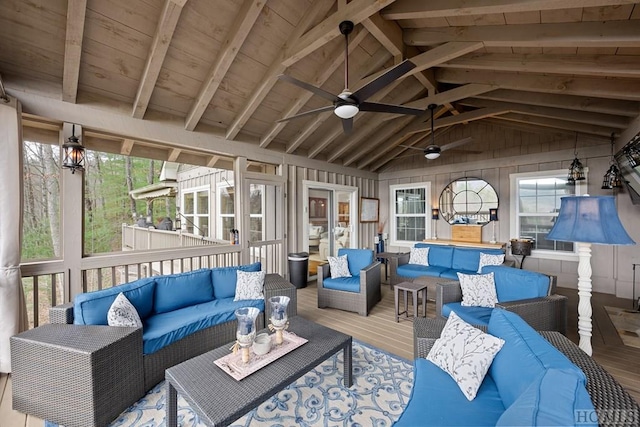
<point x="557" y="67"/>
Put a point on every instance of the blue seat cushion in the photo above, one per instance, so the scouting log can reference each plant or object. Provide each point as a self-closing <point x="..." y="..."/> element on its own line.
<point x="474" y="315"/>
<point x="224" y="279"/>
<point x="514" y="284"/>
<point x="358" y="259"/>
<point x="91" y="308"/>
<point x="439" y="255"/>
<point x="556" y="398"/>
<point x="436" y="400"/>
<point x="349" y="284"/>
<point x="416" y="270"/>
<point x="163" y="329"/>
<point x="453" y="274"/>
<point x="180" y="290"/>
<point x="523" y="357"/>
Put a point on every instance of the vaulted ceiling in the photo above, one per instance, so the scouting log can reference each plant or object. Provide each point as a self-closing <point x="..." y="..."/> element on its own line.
<point x="556" y="67"/>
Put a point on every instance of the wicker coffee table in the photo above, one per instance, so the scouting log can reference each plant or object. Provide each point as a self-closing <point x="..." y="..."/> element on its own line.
<point x="219" y="400"/>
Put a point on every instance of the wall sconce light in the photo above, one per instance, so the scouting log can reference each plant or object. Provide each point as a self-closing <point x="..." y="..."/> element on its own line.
<point x="73" y="153"/>
<point x="576" y="170"/>
<point x="435" y="216"/>
<point x="612" y="178"/>
<point x="493" y="217"/>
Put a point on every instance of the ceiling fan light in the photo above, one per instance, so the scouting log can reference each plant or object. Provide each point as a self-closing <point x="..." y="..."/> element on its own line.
<point x="432" y="152"/>
<point x="346" y="111"/>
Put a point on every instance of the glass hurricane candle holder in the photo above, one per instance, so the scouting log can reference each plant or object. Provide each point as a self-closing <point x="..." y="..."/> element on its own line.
<point x="246" y="330"/>
<point x="279" y="319"/>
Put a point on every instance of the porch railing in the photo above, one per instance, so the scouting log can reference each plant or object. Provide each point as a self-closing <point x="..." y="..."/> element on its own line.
<point x="139" y="238"/>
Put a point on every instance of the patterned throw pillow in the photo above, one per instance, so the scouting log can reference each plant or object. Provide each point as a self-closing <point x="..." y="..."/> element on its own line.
<point x="123" y="313"/>
<point x="489" y="259"/>
<point x="339" y="266"/>
<point x="465" y="353"/>
<point x="478" y="290"/>
<point x="249" y="285"/>
<point x="419" y="256"/>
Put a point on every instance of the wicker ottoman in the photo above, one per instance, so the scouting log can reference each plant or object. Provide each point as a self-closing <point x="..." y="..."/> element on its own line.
<point x="77" y="376"/>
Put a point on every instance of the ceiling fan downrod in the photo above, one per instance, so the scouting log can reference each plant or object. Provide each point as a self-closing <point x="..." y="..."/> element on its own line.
<point x="346" y="28"/>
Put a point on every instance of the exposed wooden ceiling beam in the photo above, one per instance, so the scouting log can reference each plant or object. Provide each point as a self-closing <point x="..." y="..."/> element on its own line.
<point x="417" y="9"/>
<point x="566" y="34"/>
<point x="333" y="62"/>
<point x="161" y="41"/>
<point x="126" y="147"/>
<point x="388" y="33"/>
<point x="524" y="127"/>
<point x="174" y="153"/>
<point x="76" y="10"/>
<point x="607" y="120"/>
<point x="469" y="116"/>
<point x="211" y="162"/>
<point x="236" y="36"/>
<point x="617" y="88"/>
<point x="377" y="135"/>
<point x="356" y="12"/>
<point x="571" y="102"/>
<point x="317" y="9"/>
<point x="442" y="54"/>
<point x="557" y="124"/>
<point x="585" y="65"/>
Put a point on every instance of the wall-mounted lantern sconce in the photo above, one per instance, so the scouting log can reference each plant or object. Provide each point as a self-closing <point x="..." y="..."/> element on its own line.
<point x="73" y="153"/>
<point x="435" y="216"/>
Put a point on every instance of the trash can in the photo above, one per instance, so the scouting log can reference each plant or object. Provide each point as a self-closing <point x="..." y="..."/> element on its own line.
<point x="298" y="269"/>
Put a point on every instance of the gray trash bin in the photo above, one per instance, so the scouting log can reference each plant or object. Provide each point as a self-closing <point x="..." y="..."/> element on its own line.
<point x="298" y="269"/>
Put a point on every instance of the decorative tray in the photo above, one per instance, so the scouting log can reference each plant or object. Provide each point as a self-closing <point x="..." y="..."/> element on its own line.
<point x="232" y="363"/>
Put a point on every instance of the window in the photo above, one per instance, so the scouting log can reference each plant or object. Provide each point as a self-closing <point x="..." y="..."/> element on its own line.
<point x="256" y="209"/>
<point x="195" y="211"/>
<point x="410" y="213"/>
<point x="226" y="211"/>
<point x="535" y="201"/>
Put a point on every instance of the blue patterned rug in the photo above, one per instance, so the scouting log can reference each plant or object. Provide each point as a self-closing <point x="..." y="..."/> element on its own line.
<point x="381" y="387"/>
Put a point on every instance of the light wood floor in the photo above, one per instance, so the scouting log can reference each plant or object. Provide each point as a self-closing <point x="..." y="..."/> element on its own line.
<point x="380" y="330"/>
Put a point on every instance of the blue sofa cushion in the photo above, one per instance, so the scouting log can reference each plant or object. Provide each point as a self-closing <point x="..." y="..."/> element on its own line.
<point x="224" y="279"/>
<point x="349" y="284"/>
<point x="514" y="284"/>
<point x="436" y="400"/>
<point x="556" y="398"/>
<point x="180" y="290"/>
<point x="415" y="270"/>
<point x="358" y="259"/>
<point x="524" y="356"/>
<point x="469" y="258"/>
<point x="478" y="316"/>
<point x="91" y="308"/>
<point x="163" y="329"/>
<point x="453" y="274"/>
<point x="439" y="255"/>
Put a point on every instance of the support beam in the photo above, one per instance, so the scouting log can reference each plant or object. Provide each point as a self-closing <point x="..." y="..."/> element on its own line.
<point x="174" y="153"/>
<point x="161" y="41"/>
<point x="76" y="10"/>
<point x="567" y="34"/>
<point x="126" y="147"/>
<point x="469" y="116"/>
<point x="442" y="54"/>
<point x="388" y="33"/>
<point x="557" y="124"/>
<point x="381" y="134"/>
<point x="416" y="9"/>
<point x="236" y="36"/>
<point x="627" y="89"/>
<point x="212" y="161"/>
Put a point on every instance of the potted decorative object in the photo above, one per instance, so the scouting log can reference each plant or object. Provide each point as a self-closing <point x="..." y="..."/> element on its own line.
<point x="246" y="330"/>
<point x="279" y="319"/>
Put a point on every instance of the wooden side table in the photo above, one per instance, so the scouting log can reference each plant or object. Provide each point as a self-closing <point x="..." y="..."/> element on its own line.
<point x="414" y="288"/>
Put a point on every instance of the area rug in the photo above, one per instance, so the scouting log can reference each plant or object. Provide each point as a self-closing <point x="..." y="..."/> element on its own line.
<point x="627" y="324"/>
<point x="381" y="388"/>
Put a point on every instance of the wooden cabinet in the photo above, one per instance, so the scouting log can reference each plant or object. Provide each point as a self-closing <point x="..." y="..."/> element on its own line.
<point x="466" y="233"/>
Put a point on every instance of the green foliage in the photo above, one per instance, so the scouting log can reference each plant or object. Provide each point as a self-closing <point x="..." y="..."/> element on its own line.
<point x="36" y="242"/>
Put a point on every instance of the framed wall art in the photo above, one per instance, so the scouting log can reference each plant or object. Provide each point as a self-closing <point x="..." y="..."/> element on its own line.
<point x="369" y="209"/>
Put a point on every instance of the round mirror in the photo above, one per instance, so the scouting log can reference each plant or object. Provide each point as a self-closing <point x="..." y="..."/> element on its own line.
<point x="467" y="201"/>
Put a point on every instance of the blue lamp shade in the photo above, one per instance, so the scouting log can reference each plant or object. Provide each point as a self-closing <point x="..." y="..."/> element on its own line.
<point x="493" y="214"/>
<point x="435" y="213"/>
<point x="589" y="219"/>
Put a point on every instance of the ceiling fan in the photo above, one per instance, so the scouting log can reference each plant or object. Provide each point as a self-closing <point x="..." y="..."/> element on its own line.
<point x="347" y="104"/>
<point x="432" y="151"/>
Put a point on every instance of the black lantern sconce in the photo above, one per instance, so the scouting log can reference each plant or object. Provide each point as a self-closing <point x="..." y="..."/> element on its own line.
<point x="576" y="170"/>
<point x="435" y="216"/>
<point x="612" y="178"/>
<point x="73" y="153"/>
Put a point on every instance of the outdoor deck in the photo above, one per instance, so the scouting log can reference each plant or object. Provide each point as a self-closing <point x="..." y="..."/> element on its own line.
<point x="380" y="330"/>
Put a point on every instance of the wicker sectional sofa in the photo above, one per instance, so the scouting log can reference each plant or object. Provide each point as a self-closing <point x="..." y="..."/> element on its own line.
<point x="86" y="360"/>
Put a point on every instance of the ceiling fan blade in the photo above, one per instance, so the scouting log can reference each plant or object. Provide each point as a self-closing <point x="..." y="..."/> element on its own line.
<point x="318" y="91"/>
<point x="456" y="144"/>
<point x="383" y="80"/>
<point x="377" y="107"/>
<point x="347" y="125"/>
<point x="308" y="113"/>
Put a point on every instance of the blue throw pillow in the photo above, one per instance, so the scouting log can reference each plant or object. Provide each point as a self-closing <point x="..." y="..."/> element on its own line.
<point x="224" y="279"/>
<point x="513" y="284"/>
<point x="181" y="290"/>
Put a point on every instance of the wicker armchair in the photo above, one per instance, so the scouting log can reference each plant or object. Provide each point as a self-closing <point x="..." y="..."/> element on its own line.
<point x="368" y="293"/>
<point x="547" y="313"/>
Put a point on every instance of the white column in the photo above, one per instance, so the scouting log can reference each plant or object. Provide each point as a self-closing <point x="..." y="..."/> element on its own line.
<point x="584" y="294"/>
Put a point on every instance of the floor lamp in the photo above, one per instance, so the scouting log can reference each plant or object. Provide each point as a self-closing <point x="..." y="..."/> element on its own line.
<point x="586" y="220"/>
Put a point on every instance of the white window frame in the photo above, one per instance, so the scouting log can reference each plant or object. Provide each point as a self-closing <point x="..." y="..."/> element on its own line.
<point x="220" y="187"/>
<point x="514" y="221"/>
<point x="262" y="209"/>
<point x="196" y="215"/>
<point x="393" y="238"/>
